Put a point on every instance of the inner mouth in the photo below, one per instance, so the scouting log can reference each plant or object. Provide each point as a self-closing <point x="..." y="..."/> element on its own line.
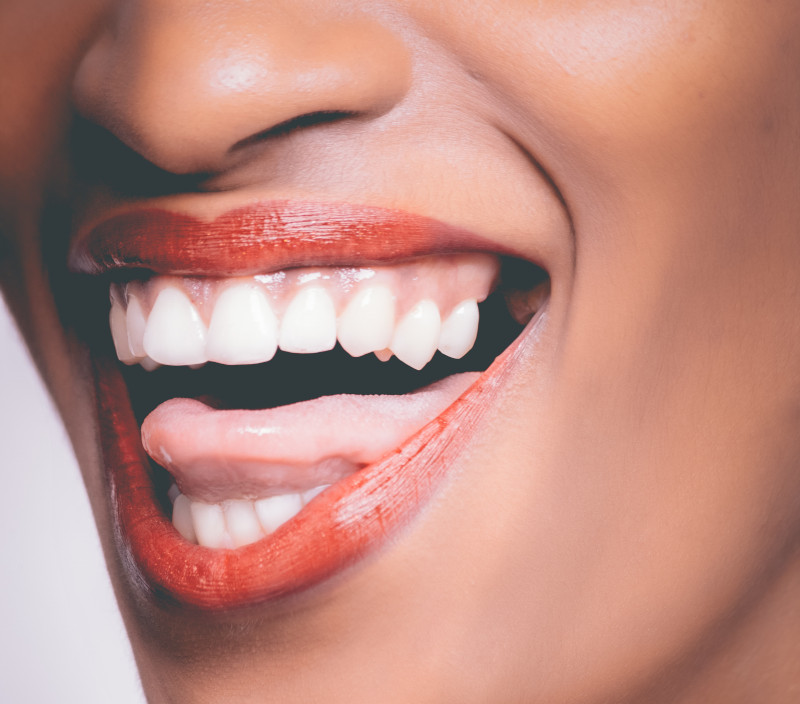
<point x="520" y="290"/>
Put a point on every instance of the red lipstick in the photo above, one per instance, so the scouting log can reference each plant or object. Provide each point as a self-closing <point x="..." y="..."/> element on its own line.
<point x="356" y="516"/>
<point x="265" y="237"/>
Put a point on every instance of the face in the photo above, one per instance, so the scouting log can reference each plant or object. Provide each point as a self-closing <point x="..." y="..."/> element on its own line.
<point x="609" y="510"/>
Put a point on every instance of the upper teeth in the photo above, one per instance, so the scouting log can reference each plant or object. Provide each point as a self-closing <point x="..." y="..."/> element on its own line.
<point x="245" y="321"/>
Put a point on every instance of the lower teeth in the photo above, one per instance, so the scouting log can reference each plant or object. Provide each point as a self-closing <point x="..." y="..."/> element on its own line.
<point x="237" y="522"/>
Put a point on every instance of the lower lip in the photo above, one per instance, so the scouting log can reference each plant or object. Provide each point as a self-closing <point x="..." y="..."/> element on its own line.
<point x="350" y="521"/>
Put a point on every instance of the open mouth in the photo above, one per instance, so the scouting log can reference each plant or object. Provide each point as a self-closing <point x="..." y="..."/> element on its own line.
<point x="281" y="410"/>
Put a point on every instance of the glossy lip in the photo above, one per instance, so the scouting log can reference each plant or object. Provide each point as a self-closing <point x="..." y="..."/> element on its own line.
<point x="354" y="517"/>
<point x="265" y="236"/>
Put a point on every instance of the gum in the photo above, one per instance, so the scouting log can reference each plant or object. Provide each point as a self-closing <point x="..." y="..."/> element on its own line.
<point x="446" y="279"/>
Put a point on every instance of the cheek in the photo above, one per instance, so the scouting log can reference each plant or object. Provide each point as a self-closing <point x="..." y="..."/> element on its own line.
<point x="631" y="105"/>
<point x="42" y="42"/>
<point x="659" y="463"/>
<point x="40" y="45"/>
<point x="672" y="136"/>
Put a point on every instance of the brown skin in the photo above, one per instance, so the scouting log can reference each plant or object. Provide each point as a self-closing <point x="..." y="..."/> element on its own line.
<point x="626" y="527"/>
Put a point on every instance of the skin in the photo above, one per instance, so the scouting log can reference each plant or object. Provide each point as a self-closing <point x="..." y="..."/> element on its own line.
<point x="625" y="526"/>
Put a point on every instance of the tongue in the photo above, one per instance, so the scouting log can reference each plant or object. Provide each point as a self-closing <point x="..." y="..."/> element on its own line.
<point x="215" y="455"/>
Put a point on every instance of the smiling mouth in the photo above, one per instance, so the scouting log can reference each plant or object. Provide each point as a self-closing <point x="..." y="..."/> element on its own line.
<point x="288" y="405"/>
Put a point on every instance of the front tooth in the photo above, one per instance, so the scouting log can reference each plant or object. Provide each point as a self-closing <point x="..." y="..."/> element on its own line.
<point x="119" y="333"/>
<point x="136" y="326"/>
<point x="242" y="522"/>
<point x="209" y="525"/>
<point x="367" y="323"/>
<point x="274" y="511"/>
<point x="182" y="517"/>
<point x="175" y="333"/>
<point x="309" y="323"/>
<point x="460" y="329"/>
<point x="243" y="328"/>
<point x="417" y="334"/>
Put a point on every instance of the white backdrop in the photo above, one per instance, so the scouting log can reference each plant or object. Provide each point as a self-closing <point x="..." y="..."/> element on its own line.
<point x="61" y="637"/>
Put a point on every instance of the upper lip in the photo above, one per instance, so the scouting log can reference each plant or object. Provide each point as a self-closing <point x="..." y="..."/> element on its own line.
<point x="264" y="236"/>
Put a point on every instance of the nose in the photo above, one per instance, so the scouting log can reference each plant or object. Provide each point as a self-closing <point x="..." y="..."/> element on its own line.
<point x="187" y="84"/>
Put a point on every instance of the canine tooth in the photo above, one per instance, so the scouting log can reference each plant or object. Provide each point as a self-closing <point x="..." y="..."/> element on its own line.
<point x="148" y="364"/>
<point x="309" y="323"/>
<point x="243" y="328"/>
<point x="209" y="525"/>
<point x="313" y="493"/>
<point x="242" y="522"/>
<point x="460" y="329"/>
<point x="274" y="511"/>
<point x="136" y="326"/>
<point x="175" y="334"/>
<point x="367" y="323"/>
<point x="417" y="334"/>
<point x="119" y="333"/>
<point x="182" y="517"/>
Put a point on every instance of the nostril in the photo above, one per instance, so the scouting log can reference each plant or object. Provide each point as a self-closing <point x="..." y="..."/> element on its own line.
<point x="312" y="119"/>
<point x="186" y="89"/>
<point x="101" y="160"/>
